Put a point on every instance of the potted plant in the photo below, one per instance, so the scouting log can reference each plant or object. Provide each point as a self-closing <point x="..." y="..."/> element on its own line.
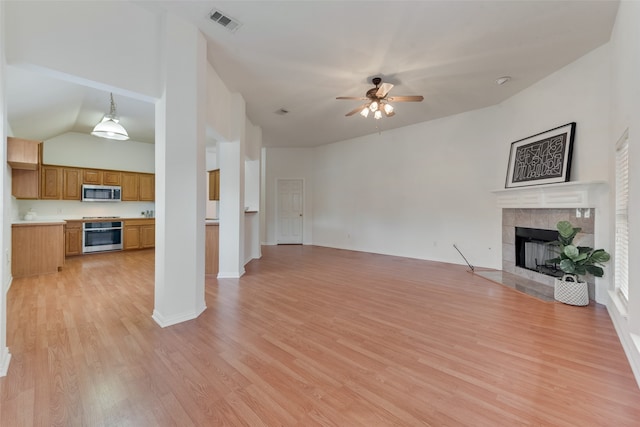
<point x="575" y="261"/>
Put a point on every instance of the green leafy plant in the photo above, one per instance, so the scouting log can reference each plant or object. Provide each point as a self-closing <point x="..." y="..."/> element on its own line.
<point x="577" y="260"/>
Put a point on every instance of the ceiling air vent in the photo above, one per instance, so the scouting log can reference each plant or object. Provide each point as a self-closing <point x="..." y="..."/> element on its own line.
<point x="226" y="21"/>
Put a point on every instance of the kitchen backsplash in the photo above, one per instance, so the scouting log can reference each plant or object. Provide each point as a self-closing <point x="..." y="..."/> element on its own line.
<point x="65" y="209"/>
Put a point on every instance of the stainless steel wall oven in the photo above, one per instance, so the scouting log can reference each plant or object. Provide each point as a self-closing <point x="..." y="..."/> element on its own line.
<point x="101" y="236"/>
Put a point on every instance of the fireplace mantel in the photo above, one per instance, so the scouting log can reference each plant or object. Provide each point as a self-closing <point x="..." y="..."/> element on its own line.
<point x="572" y="194"/>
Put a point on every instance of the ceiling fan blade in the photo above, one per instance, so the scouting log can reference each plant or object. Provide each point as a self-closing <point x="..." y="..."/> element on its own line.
<point x="357" y="110"/>
<point x="352" y="97"/>
<point x="383" y="90"/>
<point x="414" y="98"/>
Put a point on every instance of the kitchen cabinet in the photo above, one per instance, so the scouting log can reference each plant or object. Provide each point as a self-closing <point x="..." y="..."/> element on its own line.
<point x="36" y="248"/>
<point x="60" y="183"/>
<point x="214" y="184"/>
<point x="23" y="153"/>
<point x="91" y="176"/>
<point x="73" y="238"/>
<point x="111" y="178"/>
<point x="130" y="186"/>
<point x="211" y="251"/>
<point x="25" y="184"/>
<point x="147" y="187"/>
<point x="71" y="184"/>
<point x="50" y="182"/>
<point x="100" y="177"/>
<point x="139" y="233"/>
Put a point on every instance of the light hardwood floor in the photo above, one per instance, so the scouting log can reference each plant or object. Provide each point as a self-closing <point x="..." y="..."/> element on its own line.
<point x="309" y="336"/>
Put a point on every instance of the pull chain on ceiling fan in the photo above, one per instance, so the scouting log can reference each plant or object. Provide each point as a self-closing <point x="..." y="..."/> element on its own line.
<point x="378" y="101"/>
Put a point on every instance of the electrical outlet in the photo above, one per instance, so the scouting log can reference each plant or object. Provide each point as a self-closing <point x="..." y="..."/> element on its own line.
<point x="587" y="213"/>
<point x="578" y="213"/>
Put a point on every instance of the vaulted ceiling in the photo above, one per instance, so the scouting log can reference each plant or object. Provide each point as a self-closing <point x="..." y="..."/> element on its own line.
<point x="299" y="56"/>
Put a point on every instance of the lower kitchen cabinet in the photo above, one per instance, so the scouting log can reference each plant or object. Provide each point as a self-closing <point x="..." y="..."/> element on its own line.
<point x="36" y="248"/>
<point x="139" y="233"/>
<point x="73" y="238"/>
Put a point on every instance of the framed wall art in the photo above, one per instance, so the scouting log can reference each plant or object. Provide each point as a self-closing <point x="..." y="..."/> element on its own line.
<point x="544" y="158"/>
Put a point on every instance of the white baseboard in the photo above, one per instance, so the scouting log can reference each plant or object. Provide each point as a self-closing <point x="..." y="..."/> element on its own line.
<point x="5" y="359"/>
<point x="174" y="320"/>
<point x="630" y="342"/>
<point x="230" y="274"/>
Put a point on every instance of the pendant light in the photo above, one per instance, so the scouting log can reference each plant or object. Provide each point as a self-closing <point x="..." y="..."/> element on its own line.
<point x="109" y="127"/>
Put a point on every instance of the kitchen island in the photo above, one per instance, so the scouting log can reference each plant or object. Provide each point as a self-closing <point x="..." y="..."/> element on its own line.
<point x="37" y="247"/>
<point x="211" y="252"/>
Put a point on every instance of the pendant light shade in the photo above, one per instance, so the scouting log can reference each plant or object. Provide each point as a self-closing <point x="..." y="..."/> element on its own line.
<point x="109" y="127"/>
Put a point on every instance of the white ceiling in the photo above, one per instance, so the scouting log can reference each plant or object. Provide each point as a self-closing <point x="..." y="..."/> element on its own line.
<point x="301" y="55"/>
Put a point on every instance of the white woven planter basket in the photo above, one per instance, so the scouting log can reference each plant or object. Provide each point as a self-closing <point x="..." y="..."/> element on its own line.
<point x="570" y="291"/>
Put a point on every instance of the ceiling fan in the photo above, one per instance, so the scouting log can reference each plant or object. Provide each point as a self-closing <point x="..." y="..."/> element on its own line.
<point x="378" y="100"/>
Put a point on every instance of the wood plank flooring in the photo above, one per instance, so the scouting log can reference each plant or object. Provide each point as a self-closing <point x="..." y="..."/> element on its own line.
<point x="310" y="336"/>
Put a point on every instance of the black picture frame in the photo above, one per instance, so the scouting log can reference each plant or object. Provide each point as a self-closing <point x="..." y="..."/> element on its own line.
<point x="543" y="158"/>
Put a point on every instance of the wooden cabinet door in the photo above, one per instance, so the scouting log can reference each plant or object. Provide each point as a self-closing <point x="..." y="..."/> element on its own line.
<point x="211" y="250"/>
<point x="111" y="178"/>
<point x="147" y="236"/>
<point x="51" y="182"/>
<point x="214" y="184"/>
<point x="130" y="186"/>
<point x="25" y="183"/>
<point x="147" y="187"/>
<point x="92" y="176"/>
<point x="71" y="184"/>
<point x="73" y="238"/>
<point x="131" y="237"/>
<point x="23" y="153"/>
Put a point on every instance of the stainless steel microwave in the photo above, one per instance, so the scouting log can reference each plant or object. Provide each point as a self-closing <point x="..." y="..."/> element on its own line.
<point x="101" y="193"/>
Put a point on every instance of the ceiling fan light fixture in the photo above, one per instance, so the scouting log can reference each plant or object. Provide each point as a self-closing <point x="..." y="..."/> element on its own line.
<point x="388" y="108"/>
<point x="364" y="112"/>
<point x="373" y="106"/>
<point x="109" y="127"/>
<point x="377" y="115"/>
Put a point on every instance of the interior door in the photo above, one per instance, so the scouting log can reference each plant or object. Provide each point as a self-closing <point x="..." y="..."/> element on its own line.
<point x="290" y="207"/>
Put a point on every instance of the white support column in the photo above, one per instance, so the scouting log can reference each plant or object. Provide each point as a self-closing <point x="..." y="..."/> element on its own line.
<point x="231" y="161"/>
<point x="5" y="194"/>
<point x="180" y="176"/>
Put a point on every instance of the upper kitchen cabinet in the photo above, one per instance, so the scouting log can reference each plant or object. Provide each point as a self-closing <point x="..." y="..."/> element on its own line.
<point x="25" y="184"/>
<point x="130" y="186"/>
<point x="60" y="183"/>
<point x="23" y="153"/>
<point x="92" y="176"/>
<point x="214" y="184"/>
<point x="100" y="177"/>
<point x="50" y="182"/>
<point x="111" y="178"/>
<point x="147" y="187"/>
<point x="23" y="156"/>
<point x="71" y="184"/>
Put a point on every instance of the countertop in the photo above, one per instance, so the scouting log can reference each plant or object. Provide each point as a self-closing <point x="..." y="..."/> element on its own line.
<point x="41" y="221"/>
<point x="26" y="223"/>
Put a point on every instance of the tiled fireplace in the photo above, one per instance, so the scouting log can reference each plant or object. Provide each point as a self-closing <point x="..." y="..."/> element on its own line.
<point x="545" y="219"/>
<point x="541" y="207"/>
